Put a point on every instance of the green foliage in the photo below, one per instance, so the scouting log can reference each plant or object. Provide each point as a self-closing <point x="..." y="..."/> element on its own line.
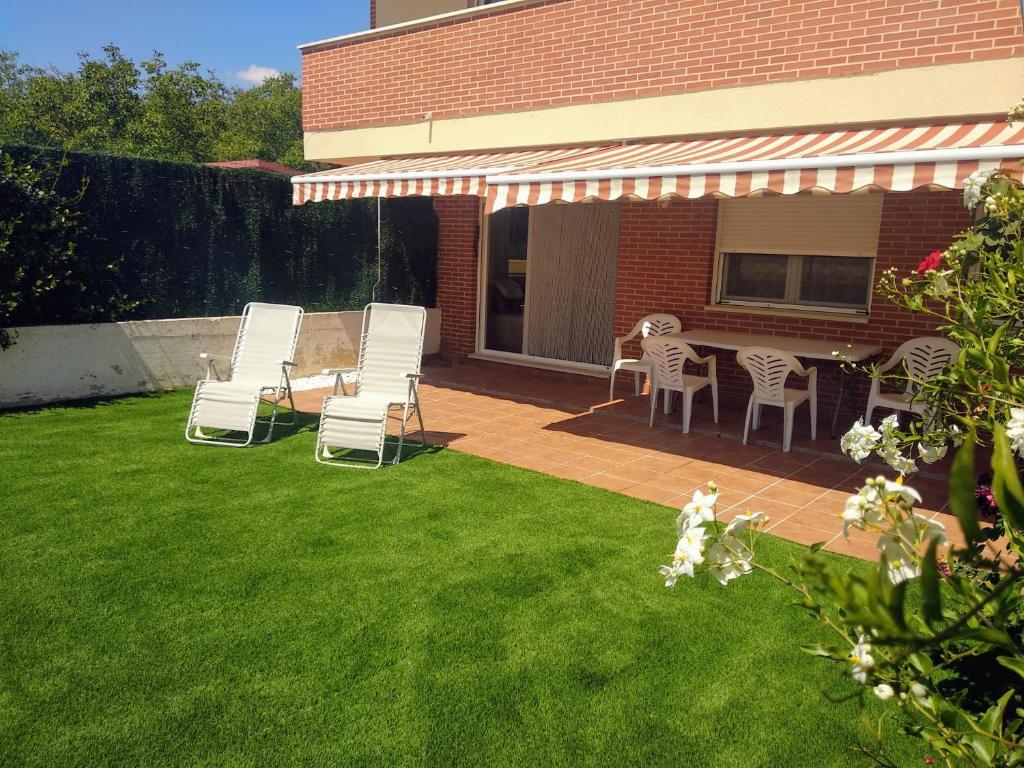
<point x="188" y="240"/>
<point x="149" y="109"/>
<point x="50" y="269"/>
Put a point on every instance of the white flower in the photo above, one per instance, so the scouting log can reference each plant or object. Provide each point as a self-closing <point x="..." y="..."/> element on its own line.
<point x="860" y="441"/>
<point x="1015" y="430"/>
<point x="739" y="524"/>
<point x="905" y="492"/>
<point x="700" y="509"/>
<point x="931" y="453"/>
<point x="973" y="187"/>
<point x="899" y="462"/>
<point x="884" y="691"/>
<point x="954" y="432"/>
<point x="729" y="558"/>
<point x="919" y="691"/>
<point x="861" y="660"/>
<point x="901" y="546"/>
<point x="671" y="573"/>
<point x="858" y="510"/>
<point x="690" y="549"/>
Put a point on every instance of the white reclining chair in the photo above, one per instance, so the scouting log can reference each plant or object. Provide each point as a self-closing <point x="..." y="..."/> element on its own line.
<point x="651" y="325"/>
<point x="387" y="376"/>
<point x="924" y="357"/>
<point x="264" y="349"/>
<point x="668" y="358"/>
<point x="769" y="369"/>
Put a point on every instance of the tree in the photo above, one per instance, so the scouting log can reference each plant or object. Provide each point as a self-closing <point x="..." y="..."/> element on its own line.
<point x="111" y="104"/>
<point x="264" y="122"/>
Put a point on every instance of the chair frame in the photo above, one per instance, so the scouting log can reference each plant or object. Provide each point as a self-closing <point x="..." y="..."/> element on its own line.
<point x="651" y="345"/>
<point x="283" y="388"/>
<point x="663" y="324"/>
<point x="343" y="376"/>
<point x="756" y="401"/>
<point x="904" y="401"/>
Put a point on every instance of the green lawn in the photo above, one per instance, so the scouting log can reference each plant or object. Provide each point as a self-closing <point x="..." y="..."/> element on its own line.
<point x="170" y="604"/>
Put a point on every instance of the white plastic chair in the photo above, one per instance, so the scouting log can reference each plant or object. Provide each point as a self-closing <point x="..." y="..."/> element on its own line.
<point x="651" y="325"/>
<point x="668" y="358"/>
<point x="769" y="369"/>
<point x="263" y="353"/>
<point x="923" y="357"/>
<point x="387" y="375"/>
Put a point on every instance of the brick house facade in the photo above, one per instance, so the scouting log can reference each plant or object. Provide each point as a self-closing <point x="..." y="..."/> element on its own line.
<point x="549" y="73"/>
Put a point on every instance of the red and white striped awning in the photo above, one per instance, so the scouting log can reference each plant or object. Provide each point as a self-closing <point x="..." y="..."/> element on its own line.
<point x="886" y="159"/>
<point x="401" y="177"/>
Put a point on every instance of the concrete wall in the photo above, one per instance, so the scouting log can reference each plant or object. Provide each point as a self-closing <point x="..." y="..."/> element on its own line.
<point x="51" y="363"/>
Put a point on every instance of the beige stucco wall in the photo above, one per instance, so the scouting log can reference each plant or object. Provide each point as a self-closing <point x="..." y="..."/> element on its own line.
<point x="397" y="11"/>
<point x="52" y="363"/>
<point x="916" y="94"/>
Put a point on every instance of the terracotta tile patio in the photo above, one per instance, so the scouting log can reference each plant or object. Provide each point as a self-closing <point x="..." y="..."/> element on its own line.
<point x="565" y="427"/>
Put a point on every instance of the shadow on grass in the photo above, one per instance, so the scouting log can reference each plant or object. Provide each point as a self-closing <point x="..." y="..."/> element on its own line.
<point x="89" y="402"/>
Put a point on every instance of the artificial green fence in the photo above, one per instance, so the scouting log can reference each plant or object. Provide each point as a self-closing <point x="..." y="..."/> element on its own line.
<point x="198" y="241"/>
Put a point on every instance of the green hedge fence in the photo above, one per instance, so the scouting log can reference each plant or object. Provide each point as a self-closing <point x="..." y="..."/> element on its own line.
<point x="199" y="241"/>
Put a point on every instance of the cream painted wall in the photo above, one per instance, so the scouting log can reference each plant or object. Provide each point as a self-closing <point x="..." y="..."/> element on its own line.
<point x="52" y="363"/>
<point x="397" y="11"/>
<point x="914" y="94"/>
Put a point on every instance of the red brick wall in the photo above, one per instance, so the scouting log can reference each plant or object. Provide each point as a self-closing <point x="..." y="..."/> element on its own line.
<point x="666" y="261"/>
<point x="457" y="237"/>
<point x="579" y="51"/>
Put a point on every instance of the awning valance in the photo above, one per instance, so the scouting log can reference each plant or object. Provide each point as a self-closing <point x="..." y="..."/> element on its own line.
<point x="885" y="159"/>
<point x="401" y="177"/>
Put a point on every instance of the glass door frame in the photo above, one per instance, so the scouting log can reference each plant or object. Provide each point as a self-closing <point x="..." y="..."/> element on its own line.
<point x="520" y="358"/>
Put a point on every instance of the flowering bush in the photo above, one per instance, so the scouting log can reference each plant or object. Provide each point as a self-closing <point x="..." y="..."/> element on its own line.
<point x="973" y="291"/>
<point x="937" y="632"/>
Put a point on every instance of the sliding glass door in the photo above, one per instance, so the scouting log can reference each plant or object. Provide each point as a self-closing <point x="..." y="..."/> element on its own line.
<point x="550" y="292"/>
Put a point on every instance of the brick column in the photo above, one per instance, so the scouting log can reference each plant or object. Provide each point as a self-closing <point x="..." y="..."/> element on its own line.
<point x="458" y="225"/>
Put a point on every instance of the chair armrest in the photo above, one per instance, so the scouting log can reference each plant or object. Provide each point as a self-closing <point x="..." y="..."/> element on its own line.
<point x="336" y="371"/>
<point x="287" y="364"/>
<point x="414" y="376"/>
<point x="812" y="377"/>
<point x="208" y="355"/>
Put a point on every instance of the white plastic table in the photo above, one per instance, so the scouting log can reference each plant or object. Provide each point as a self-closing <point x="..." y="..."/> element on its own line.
<point x="808" y="349"/>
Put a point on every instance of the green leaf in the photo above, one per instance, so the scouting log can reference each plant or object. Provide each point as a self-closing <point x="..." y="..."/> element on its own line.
<point x="992" y="720"/>
<point x="1006" y="485"/>
<point x="1013" y="664"/>
<point x="921" y="662"/>
<point x="930" y="596"/>
<point x="961" y="490"/>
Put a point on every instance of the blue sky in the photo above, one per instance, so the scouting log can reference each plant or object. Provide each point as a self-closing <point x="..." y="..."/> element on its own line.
<point x="228" y="37"/>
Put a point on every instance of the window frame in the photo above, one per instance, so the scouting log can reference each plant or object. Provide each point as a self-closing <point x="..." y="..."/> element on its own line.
<point x="790" y="301"/>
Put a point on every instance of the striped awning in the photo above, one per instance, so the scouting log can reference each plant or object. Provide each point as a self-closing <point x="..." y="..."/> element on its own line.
<point x="401" y="177"/>
<point x="885" y="159"/>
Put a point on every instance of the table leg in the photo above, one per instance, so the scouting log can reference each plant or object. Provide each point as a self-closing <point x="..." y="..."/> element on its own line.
<point x="839" y="402"/>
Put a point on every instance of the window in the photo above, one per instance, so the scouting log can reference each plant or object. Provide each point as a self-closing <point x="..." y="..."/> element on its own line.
<point x="800" y="252"/>
<point x="835" y="282"/>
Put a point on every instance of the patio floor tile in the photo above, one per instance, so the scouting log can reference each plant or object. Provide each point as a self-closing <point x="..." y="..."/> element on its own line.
<point x="566" y="428"/>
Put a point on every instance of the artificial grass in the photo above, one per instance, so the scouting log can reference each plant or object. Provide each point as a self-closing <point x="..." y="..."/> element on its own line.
<point x="172" y="604"/>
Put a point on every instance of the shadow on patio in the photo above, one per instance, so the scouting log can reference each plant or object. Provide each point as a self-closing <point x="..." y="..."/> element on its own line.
<point x="564" y="426"/>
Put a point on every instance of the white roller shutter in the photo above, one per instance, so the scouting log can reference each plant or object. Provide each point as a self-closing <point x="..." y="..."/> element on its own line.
<point x="820" y="225"/>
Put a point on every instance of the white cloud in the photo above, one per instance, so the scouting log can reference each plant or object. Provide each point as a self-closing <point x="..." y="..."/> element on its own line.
<point x="255" y="74"/>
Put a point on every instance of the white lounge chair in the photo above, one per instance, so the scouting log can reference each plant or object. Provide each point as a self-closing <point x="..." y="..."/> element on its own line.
<point x="668" y="357"/>
<point x="387" y="376"/>
<point x="924" y="357"/>
<point x="769" y="369"/>
<point x="651" y="325"/>
<point x="263" y="353"/>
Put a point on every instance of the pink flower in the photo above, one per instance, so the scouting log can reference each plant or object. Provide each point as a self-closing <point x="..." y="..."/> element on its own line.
<point x="932" y="261"/>
<point x="929" y="761"/>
